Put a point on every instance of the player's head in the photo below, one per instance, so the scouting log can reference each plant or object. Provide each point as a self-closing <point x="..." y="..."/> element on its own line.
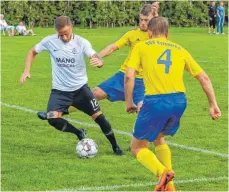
<point x="221" y="3"/>
<point x="147" y="12"/>
<point x="213" y="3"/>
<point x="1" y="16"/>
<point x="63" y="26"/>
<point x="158" y="27"/>
<point x="21" y="23"/>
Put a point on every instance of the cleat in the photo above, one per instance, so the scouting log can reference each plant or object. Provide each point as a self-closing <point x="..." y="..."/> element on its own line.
<point x="165" y="178"/>
<point x="82" y="135"/>
<point x="42" y="115"/>
<point x="117" y="150"/>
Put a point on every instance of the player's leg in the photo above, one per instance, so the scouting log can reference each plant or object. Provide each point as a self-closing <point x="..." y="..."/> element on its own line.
<point x="90" y="106"/>
<point x="111" y="89"/>
<point x="163" y="154"/>
<point x="55" y="119"/>
<point x="148" y="159"/>
<point x="151" y="120"/>
<point x="99" y="93"/>
<point x="57" y="107"/>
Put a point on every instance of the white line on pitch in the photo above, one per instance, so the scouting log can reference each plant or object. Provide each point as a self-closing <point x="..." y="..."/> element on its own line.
<point x="97" y="188"/>
<point x="123" y="132"/>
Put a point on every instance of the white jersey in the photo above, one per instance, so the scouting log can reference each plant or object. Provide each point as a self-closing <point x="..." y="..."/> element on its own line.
<point x="68" y="65"/>
<point x="21" y="28"/>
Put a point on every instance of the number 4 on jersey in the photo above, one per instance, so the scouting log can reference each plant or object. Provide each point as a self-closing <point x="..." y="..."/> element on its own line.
<point x="167" y="62"/>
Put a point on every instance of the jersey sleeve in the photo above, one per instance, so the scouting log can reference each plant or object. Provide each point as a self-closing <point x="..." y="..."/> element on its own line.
<point x="123" y="40"/>
<point x="87" y="48"/>
<point x="134" y="59"/>
<point x="191" y="65"/>
<point x="42" y="45"/>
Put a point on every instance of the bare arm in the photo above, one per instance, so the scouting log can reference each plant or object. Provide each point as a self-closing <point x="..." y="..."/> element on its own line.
<point x="209" y="91"/>
<point x="129" y="86"/>
<point x="96" y="61"/>
<point x="29" y="60"/>
<point x="108" y="50"/>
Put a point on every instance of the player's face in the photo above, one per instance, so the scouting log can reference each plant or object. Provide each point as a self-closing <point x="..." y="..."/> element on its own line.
<point x="65" y="33"/>
<point x="143" y="21"/>
<point x="213" y="3"/>
<point x="221" y="3"/>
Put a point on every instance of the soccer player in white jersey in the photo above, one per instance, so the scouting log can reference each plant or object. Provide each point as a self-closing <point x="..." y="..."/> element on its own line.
<point x="69" y="80"/>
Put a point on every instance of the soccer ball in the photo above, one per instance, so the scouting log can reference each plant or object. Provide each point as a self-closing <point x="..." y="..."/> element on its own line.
<point x="86" y="148"/>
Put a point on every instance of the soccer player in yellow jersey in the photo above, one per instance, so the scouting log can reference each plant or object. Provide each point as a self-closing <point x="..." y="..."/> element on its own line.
<point x="162" y="63"/>
<point x="113" y="88"/>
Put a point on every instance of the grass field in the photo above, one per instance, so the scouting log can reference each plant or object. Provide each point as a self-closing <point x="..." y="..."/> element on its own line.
<point x="34" y="156"/>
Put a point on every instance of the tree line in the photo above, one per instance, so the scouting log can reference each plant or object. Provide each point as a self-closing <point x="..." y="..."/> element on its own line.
<point x="103" y="13"/>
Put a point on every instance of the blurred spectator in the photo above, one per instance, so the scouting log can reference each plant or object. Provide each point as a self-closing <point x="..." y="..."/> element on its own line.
<point x="212" y="17"/>
<point x="5" y="27"/>
<point x="220" y="20"/>
<point x="21" y="29"/>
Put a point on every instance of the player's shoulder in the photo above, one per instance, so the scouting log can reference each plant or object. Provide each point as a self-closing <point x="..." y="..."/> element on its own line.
<point x="80" y="40"/>
<point x="130" y="32"/>
<point x="50" y="38"/>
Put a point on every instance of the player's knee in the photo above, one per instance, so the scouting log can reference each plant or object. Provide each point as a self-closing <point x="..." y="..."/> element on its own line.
<point x="99" y="93"/>
<point x="54" y="114"/>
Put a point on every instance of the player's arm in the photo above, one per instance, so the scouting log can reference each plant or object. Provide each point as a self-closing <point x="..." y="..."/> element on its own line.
<point x="133" y="66"/>
<point x="96" y="61"/>
<point x="195" y="70"/>
<point x="129" y="87"/>
<point x="108" y="50"/>
<point x="121" y="42"/>
<point x="206" y="84"/>
<point x="29" y="60"/>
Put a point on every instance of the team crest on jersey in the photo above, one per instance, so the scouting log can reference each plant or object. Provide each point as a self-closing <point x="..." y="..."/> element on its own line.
<point x="74" y="51"/>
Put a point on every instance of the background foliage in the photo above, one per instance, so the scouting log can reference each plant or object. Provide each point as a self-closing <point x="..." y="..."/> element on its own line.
<point x="103" y="13"/>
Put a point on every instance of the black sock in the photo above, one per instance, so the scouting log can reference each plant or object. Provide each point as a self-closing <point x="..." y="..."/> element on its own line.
<point x="63" y="125"/>
<point x="106" y="129"/>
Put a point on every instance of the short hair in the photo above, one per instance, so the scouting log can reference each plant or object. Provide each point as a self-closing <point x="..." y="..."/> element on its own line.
<point x="61" y="22"/>
<point x="147" y="9"/>
<point x="158" y="26"/>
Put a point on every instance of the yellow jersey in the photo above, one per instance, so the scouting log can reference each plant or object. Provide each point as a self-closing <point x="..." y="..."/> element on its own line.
<point x="162" y="63"/>
<point x="131" y="38"/>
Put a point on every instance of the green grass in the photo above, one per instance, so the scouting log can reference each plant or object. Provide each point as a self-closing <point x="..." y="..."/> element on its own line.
<point x="37" y="157"/>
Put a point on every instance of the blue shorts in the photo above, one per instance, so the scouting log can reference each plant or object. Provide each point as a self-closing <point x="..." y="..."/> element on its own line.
<point x="114" y="88"/>
<point x="159" y="114"/>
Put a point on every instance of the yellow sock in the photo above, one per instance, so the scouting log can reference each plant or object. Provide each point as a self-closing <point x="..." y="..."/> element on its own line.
<point x="150" y="161"/>
<point x="163" y="154"/>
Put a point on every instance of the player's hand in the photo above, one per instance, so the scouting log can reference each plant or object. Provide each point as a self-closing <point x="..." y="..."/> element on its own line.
<point x="96" y="62"/>
<point x="210" y="18"/>
<point x="215" y="112"/>
<point x="24" y="76"/>
<point x="131" y="108"/>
